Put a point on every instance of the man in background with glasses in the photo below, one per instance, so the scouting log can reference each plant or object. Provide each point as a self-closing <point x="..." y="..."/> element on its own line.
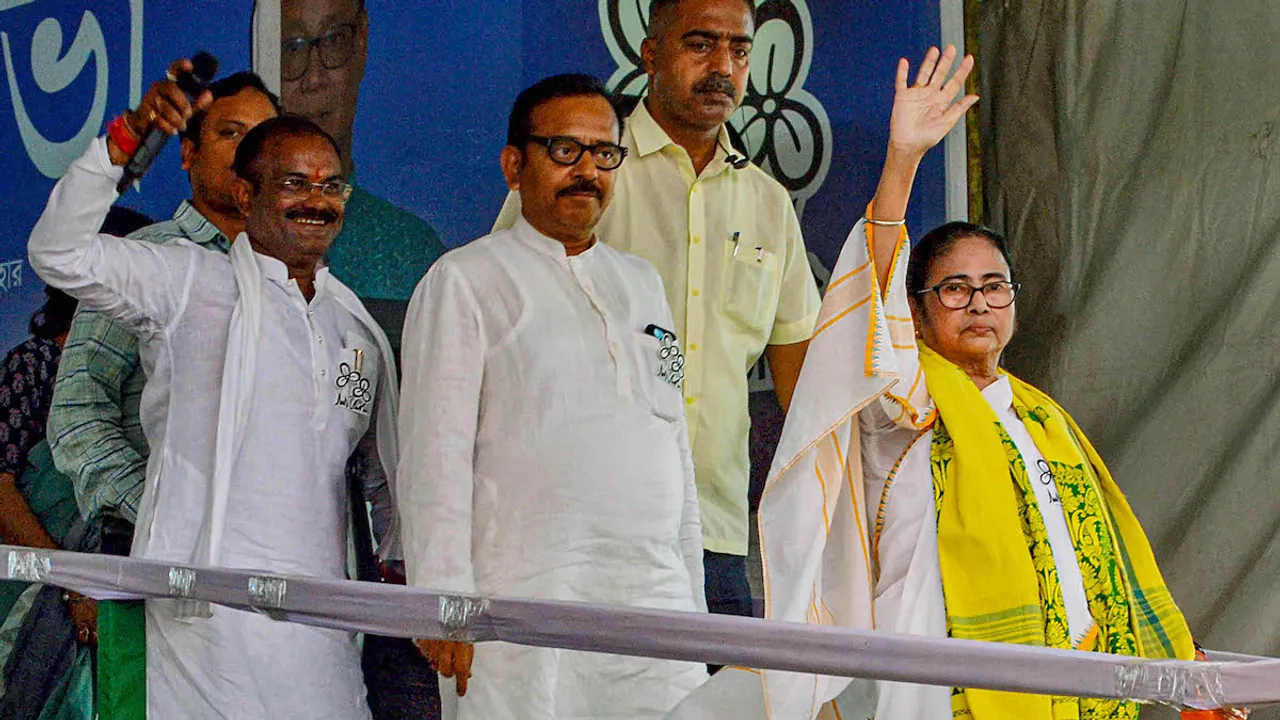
<point x="545" y="448"/>
<point x="263" y="373"/>
<point x="324" y="46"/>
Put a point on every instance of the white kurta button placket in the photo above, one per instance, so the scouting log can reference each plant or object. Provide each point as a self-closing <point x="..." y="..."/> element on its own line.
<point x="581" y="268"/>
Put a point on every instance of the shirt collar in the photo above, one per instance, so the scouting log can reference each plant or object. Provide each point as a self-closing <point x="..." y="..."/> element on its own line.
<point x="648" y="137"/>
<point x="550" y="247"/>
<point x="198" y="228"/>
<point x="999" y="394"/>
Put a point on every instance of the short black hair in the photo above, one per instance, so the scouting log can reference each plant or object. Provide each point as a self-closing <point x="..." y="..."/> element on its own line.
<point x="660" y="15"/>
<point x="520" y="124"/>
<point x="250" y="148"/>
<point x="226" y="87"/>
<point x="938" y="241"/>
<point x="54" y="317"/>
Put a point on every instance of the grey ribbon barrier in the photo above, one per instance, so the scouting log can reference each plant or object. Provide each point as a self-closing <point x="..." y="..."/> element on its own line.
<point x="383" y="609"/>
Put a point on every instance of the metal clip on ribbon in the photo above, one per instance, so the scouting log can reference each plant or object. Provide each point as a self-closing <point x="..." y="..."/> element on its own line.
<point x="267" y="593"/>
<point x="1182" y="684"/>
<point x="182" y="584"/>
<point x="29" y="565"/>
<point x="458" y="612"/>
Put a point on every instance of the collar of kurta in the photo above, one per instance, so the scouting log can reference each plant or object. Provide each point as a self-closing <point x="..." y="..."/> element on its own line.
<point x="239" y="374"/>
<point x="550" y="247"/>
<point x="648" y="137"/>
<point x="277" y="272"/>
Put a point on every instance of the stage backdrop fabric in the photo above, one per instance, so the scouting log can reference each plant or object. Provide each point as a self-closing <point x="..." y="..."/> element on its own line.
<point x="1132" y="155"/>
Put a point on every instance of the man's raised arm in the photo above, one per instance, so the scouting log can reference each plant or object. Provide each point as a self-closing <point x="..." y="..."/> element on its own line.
<point x="128" y="280"/>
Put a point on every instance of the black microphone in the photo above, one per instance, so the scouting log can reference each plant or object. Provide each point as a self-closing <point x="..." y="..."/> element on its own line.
<point x="203" y="67"/>
<point x="735" y="160"/>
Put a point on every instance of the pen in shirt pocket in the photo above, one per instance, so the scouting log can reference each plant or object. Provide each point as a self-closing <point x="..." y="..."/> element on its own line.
<point x="737" y="243"/>
<point x="659" y="332"/>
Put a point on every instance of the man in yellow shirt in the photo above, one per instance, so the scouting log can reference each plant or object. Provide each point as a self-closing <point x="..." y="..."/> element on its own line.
<point x="726" y="240"/>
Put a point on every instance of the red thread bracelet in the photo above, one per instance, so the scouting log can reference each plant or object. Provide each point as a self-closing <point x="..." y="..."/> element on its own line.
<point x="122" y="136"/>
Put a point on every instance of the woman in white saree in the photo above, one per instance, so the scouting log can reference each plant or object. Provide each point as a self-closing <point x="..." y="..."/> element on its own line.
<point x="918" y="489"/>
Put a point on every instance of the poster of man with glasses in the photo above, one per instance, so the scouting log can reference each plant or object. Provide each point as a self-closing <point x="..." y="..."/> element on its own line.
<point x="323" y="46"/>
<point x="322" y="53"/>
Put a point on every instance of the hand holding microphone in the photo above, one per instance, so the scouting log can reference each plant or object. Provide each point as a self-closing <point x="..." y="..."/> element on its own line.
<point x="136" y="138"/>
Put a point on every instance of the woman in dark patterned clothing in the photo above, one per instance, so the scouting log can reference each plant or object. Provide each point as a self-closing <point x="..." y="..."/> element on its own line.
<point x="31" y="515"/>
<point x="26" y="385"/>
<point x="38" y="509"/>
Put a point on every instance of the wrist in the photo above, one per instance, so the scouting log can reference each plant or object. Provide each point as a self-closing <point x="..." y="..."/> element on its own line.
<point x="122" y="141"/>
<point x="904" y="156"/>
<point x="133" y="121"/>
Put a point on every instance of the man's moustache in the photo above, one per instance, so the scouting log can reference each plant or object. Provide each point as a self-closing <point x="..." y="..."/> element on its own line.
<point x="582" y="187"/>
<point x="716" y="83"/>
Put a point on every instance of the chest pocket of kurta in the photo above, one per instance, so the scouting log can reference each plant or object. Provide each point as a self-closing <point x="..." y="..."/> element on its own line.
<point x="355" y="384"/>
<point x="659" y="373"/>
<point x="747" y="286"/>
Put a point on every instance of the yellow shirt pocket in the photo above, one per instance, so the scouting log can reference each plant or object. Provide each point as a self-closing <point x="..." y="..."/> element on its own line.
<point x="747" y="291"/>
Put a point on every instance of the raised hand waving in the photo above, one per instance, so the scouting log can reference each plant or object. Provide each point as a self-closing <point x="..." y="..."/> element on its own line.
<point x="924" y="112"/>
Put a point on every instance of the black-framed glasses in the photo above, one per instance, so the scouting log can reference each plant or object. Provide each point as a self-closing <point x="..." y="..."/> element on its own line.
<point x="956" y="295"/>
<point x="565" y="150"/>
<point x="334" y="48"/>
<point x="299" y="188"/>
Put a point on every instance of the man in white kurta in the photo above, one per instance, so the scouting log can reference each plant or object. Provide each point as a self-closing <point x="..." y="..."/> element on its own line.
<point x="546" y="453"/>
<point x="303" y="408"/>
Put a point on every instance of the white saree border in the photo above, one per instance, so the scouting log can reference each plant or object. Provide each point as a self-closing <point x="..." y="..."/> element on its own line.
<point x="814" y="537"/>
<point x="815" y="542"/>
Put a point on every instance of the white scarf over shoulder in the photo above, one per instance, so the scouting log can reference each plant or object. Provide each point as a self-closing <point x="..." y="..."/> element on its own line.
<point x="238" y="377"/>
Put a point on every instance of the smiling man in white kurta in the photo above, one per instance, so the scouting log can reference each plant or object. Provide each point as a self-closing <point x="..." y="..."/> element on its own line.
<point x="262" y="374"/>
<point x="546" y="448"/>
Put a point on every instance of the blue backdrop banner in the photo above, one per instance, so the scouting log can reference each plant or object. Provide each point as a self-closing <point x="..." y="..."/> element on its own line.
<point x="69" y="68"/>
<point x="433" y="103"/>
